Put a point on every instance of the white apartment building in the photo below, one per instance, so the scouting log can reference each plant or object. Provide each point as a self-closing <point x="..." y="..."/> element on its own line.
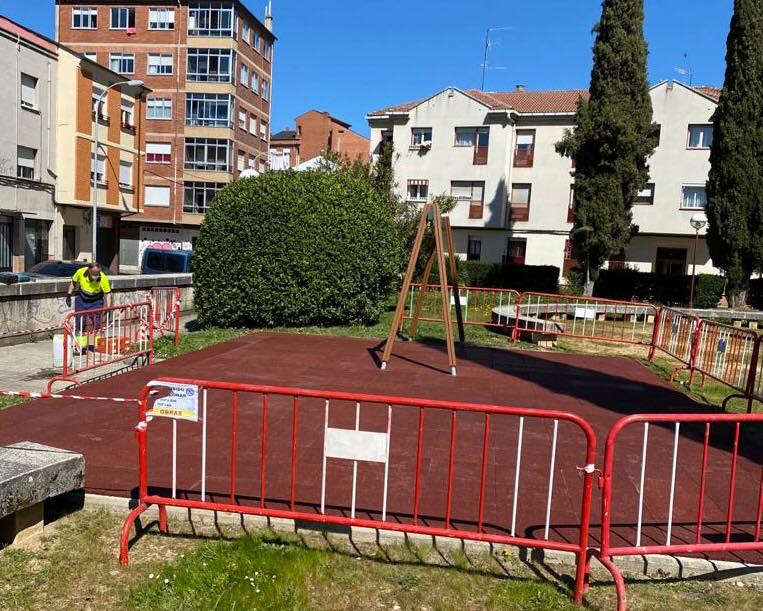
<point x="494" y="151"/>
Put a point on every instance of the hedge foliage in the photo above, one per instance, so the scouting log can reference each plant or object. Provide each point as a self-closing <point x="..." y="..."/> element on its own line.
<point x="539" y="278"/>
<point x="632" y="285"/>
<point x="295" y="248"/>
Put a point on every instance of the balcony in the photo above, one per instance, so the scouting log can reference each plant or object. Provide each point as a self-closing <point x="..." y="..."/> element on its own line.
<point x="523" y="158"/>
<point x="519" y="213"/>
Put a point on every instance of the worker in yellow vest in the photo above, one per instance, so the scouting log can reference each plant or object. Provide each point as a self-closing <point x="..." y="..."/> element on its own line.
<point x="93" y="294"/>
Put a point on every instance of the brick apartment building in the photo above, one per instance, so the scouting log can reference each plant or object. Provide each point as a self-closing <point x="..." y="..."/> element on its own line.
<point x="316" y="133"/>
<point x="209" y="66"/>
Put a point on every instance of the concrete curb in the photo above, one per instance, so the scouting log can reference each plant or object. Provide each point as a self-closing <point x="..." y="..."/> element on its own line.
<point x="652" y="566"/>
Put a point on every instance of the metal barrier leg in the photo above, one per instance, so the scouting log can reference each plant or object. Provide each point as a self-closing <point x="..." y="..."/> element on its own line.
<point x="49" y="386"/>
<point x="124" y="546"/>
<point x="163" y="519"/>
<point x="617" y="576"/>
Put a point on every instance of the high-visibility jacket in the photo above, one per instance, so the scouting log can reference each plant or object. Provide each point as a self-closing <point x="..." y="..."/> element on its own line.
<point x="90" y="290"/>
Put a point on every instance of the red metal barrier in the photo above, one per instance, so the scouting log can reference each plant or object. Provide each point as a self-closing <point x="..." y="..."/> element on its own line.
<point x="166" y="311"/>
<point x="419" y="454"/>
<point x="585" y="317"/>
<point x="731" y="533"/>
<point x="675" y="335"/>
<point x="486" y="307"/>
<point x="98" y="338"/>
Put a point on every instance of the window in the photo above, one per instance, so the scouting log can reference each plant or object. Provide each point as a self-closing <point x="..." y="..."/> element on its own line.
<point x="418" y="190"/>
<point x="256" y="41"/>
<point x="520" y="201"/>
<point x="84" y="18"/>
<point x="199" y="195"/>
<point x="241" y="161"/>
<point x="210" y="18"/>
<point x="246" y="32"/>
<point x="207" y="154"/>
<point x="215" y="65"/>
<point x="245" y="75"/>
<point x="93" y="57"/>
<point x="670" y="261"/>
<point x="263" y="129"/>
<point x="159" y="108"/>
<point x="255" y="82"/>
<point x="122" y="18"/>
<point x="472" y="192"/>
<point x="28" y="91"/>
<point x="617" y="261"/>
<point x="157" y="196"/>
<point x="693" y="198"/>
<point x="700" y="136"/>
<point x="253" y="125"/>
<point x="265" y="90"/>
<point x="125" y="174"/>
<point x="209" y="109"/>
<point x="99" y="103"/>
<point x="569" y="262"/>
<point x="36" y="233"/>
<point x="268" y="51"/>
<point x="646" y="195"/>
<point x="161" y="19"/>
<point x="242" y="119"/>
<point x="160" y="63"/>
<point x="524" y="152"/>
<point x="98" y="169"/>
<point x="127" y="114"/>
<point x="158" y="152"/>
<point x="571" y="205"/>
<point x="476" y="137"/>
<point x="124" y="63"/>
<point x="421" y="136"/>
<point x="25" y="157"/>
<point x="473" y="249"/>
<point x="516" y="251"/>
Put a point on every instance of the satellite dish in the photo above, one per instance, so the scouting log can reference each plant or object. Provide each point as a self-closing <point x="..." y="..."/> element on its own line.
<point x="248" y="173"/>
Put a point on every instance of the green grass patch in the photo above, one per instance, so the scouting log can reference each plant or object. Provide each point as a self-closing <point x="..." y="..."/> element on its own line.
<point x="6" y="401"/>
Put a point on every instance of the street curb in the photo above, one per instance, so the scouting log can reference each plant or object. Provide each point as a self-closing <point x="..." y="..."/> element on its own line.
<point x="651" y="566"/>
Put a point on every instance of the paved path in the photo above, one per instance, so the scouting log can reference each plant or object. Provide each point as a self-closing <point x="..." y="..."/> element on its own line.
<point x="600" y="389"/>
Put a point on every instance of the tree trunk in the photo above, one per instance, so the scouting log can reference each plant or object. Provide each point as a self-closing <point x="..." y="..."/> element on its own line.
<point x="737" y="299"/>
<point x="588" y="287"/>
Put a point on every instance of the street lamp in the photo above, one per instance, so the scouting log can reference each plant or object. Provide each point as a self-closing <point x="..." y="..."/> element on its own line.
<point x="698" y="221"/>
<point x="251" y="172"/>
<point x="97" y="110"/>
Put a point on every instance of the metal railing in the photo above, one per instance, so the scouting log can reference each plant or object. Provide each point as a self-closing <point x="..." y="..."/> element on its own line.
<point x="166" y="311"/>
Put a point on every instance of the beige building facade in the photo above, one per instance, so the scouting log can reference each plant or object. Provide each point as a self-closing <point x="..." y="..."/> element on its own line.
<point x="495" y="152"/>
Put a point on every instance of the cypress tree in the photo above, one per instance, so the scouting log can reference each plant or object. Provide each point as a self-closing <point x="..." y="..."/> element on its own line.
<point x="735" y="183"/>
<point x="613" y="138"/>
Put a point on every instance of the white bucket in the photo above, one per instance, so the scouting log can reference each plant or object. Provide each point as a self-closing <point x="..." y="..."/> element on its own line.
<point x="58" y="351"/>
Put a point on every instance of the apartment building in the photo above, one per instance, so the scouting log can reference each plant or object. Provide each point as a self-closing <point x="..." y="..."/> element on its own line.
<point x="494" y="152"/>
<point x="116" y="172"/>
<point x="209" y="66"/>
<point x="316" y="132"/>
<point x="28" y="62"/>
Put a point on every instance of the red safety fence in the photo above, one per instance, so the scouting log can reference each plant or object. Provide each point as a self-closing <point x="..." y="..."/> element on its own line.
<point x="585" y="317"/>
<point x="165" y="303"/>
<point x="674" y="334"/>
<point x="707" y="499"/>
<point x="332" y="457"/>
<point x="487" y="307"/>
<point x="103" y="337"/>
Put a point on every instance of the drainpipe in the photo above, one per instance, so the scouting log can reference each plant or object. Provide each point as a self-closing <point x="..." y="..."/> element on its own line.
<point x="175" y="108"/>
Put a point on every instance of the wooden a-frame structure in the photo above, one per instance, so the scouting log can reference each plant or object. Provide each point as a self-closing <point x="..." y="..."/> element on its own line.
<point x="433" y="219"/>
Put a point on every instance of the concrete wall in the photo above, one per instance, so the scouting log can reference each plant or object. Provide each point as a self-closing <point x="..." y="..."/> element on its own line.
<point x="38" y="305"/>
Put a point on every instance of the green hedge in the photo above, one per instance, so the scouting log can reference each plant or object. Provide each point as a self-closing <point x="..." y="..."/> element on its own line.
<point x="293" y="249"/>
<point x="632" y="285"/>
<point x="755" y="294"/>
<point x="539" y="278"/>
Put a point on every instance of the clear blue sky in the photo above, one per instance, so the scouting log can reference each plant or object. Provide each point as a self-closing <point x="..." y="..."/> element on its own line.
<point x="353" y="56"/>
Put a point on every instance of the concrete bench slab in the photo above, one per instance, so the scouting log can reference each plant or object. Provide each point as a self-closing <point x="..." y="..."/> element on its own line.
<point x="31" y="473"/>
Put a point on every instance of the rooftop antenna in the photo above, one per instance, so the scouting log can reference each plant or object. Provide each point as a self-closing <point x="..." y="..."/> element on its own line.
<point x="488" y="45"/>
<point x="685" y="70"/>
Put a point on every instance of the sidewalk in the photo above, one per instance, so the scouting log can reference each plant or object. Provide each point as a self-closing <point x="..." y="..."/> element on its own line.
<point x="27" y="366"/>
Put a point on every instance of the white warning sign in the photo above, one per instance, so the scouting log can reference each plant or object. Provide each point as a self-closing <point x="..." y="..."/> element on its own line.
<point x="181" y="404"/>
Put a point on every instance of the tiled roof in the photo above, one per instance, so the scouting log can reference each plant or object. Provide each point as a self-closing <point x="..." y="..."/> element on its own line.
<point x="284" y="134"/>
<point x="405" y="107"/>
<point x="532" y="101"/>
<point x="710" y="91"/>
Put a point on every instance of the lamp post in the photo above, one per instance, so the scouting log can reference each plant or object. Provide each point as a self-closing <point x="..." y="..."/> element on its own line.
<point x="97" y="112"/>
<point x="698" y="221"/>
<point x="251" y="172"/>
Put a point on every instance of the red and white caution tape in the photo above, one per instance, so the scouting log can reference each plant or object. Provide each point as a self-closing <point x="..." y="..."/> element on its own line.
<point x="31" y="331"/>
<point x="47" y="395"/>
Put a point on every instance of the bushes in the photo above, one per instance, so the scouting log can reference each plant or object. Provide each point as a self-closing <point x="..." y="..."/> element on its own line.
<point x="289" y="248"/>
<point x="755" y="294"/>
<point x="632" y="285"/>
<point x="538" y="278"/>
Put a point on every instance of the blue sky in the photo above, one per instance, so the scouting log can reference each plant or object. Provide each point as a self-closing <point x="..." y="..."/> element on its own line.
<point x="353" y="56"/>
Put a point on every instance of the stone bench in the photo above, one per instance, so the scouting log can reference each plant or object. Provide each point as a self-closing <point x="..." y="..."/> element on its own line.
<point x="30" y="474"/>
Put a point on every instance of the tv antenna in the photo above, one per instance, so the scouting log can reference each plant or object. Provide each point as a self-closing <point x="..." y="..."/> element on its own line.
<point x="685" y="70"/>
<point x="488" y="45"/>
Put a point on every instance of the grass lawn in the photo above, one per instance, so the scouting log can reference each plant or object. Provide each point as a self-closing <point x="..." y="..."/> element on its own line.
<point x="6" y="401"/>
<point x="75" y="567"/>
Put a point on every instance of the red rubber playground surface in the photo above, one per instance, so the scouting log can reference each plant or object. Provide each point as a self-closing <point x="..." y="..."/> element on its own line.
<point x="599" y="389"/>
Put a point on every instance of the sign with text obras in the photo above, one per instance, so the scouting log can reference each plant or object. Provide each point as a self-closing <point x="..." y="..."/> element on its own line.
<point x="182" y="402"/>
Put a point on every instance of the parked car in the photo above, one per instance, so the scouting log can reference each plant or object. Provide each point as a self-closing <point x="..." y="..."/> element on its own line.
<point x="14" y="277"/>
<point x="60" y="269"/>
<point x="157" y="261"/>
